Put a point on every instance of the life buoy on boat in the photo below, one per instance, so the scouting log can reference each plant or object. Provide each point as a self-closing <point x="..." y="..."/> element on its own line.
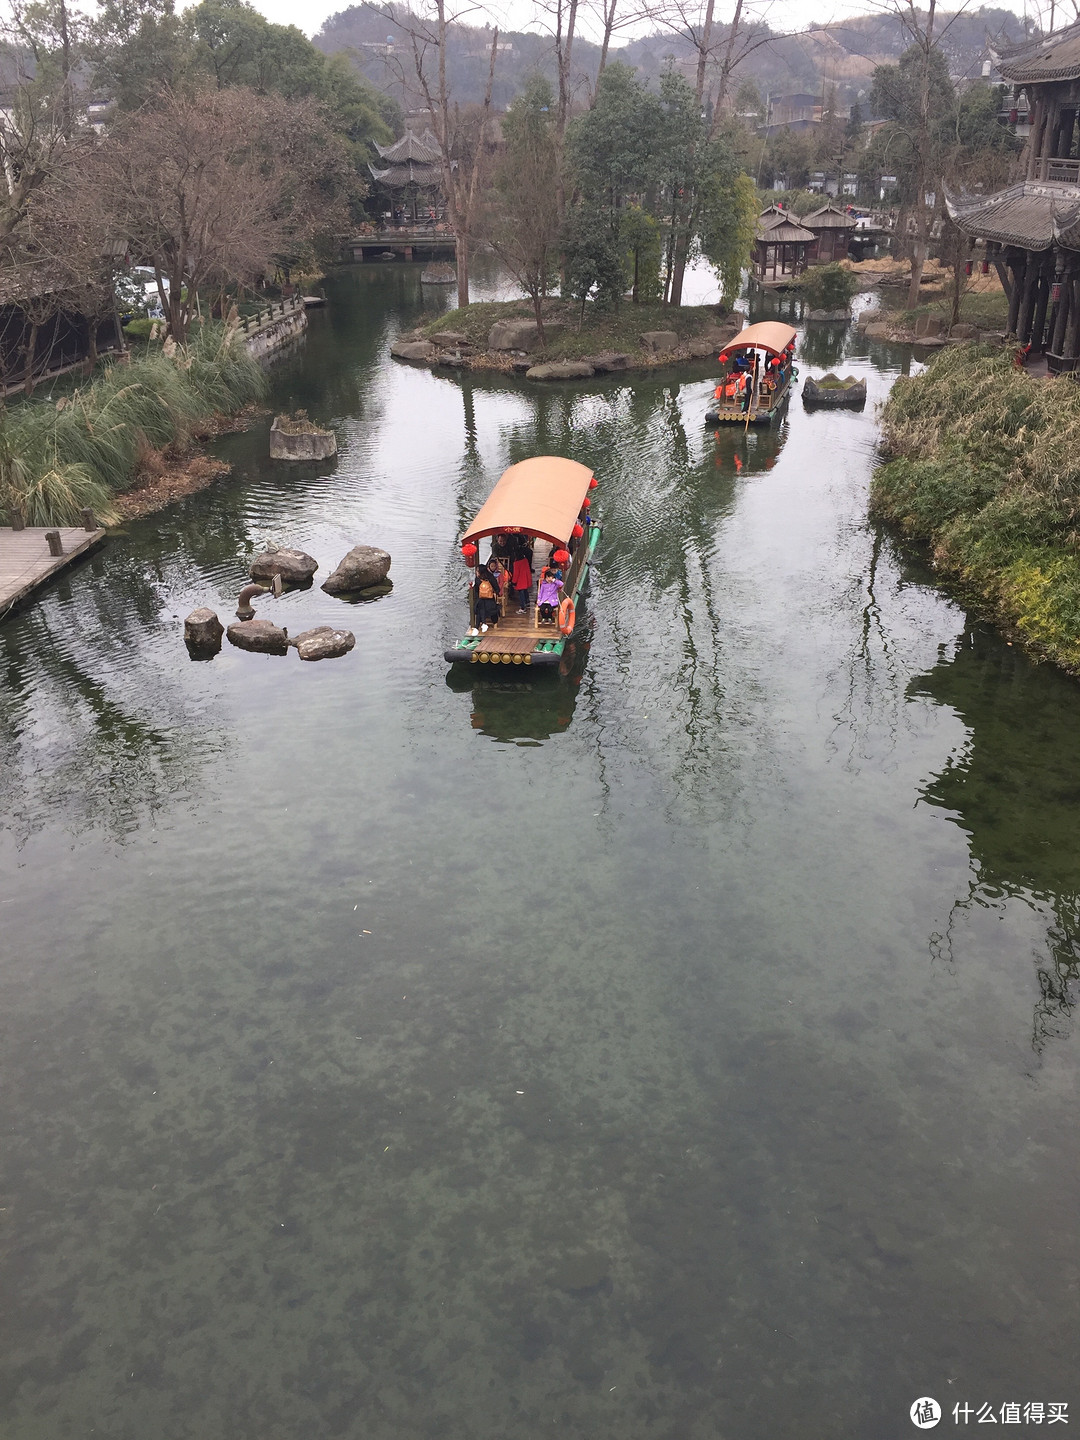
<point x="567" y="616"/>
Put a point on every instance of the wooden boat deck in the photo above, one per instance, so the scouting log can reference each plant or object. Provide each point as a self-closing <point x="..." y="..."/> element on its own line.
<point x="25" y="562"/>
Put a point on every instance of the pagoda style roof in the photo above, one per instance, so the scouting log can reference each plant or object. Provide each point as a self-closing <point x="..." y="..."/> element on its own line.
<point x="782" y="230"/>
<point x="1032" y="214"/>
<point x="829" y="217"/>
<point x="398" y="176"/>
<point x="772" y="216"/>
<point x="1055" y="57"/>
<point x="411" y="149"/>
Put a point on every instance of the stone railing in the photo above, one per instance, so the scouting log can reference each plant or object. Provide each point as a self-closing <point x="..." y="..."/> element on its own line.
<point x="275" y="310"/>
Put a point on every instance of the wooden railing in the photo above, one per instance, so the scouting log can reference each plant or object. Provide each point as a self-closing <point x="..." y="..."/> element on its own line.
<point x="1062" y="171"/>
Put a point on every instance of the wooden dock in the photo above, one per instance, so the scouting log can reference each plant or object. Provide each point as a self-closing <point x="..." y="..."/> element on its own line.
<point x="26" y="562"/>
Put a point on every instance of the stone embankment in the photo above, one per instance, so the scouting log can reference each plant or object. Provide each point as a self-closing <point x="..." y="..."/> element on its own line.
<point x="516" y="345"/>
<point x="930" y="331"/>
<point x="274" y="328"/>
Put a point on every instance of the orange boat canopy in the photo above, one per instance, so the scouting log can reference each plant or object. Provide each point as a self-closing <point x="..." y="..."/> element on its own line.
<point x="769" y="335"/>
<point x="541" y="497"/>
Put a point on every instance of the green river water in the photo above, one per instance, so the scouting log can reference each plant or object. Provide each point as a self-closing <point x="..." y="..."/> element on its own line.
<point x="678" y="1047"/>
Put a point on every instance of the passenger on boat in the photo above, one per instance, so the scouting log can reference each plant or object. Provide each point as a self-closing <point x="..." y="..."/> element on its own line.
<point x="547" y="596"/>
<point x="486" y="609"/>
<point x="521" y="577"/>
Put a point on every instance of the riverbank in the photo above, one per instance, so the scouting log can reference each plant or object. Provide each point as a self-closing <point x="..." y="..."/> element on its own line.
<point x="503" y="336"/>
<point x="983" y="464"/>
<point x="130" y="431"/>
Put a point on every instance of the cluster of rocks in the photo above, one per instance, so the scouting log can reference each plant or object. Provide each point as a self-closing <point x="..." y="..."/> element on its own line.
<point x="518" y="342"/>
<point x="364" y="569"/>
<point x="927" y="330"/>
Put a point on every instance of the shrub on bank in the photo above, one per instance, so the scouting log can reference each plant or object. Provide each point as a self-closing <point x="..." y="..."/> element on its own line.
<point x="56" y="458"/>
<point x="983" y="461"/>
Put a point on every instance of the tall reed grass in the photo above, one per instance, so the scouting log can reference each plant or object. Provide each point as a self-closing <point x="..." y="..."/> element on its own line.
<point x="55" y="459"/>
<point x="983" y="461"/>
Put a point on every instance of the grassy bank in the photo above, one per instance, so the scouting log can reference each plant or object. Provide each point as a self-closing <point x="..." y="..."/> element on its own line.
<point x="602" y="329"/>
<point x="983" y="462"/>
<point x="84" y="449"/>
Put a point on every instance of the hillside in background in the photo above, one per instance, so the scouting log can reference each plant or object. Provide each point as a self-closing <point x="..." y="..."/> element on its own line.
<point x="841" y="55"/>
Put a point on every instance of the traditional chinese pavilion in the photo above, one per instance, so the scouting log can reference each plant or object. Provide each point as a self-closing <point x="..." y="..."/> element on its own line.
<point x="780" y="248"/>
<point x="1032" y="228"/>
<point x="832" y="228"/>
<point x="412" y="171"/>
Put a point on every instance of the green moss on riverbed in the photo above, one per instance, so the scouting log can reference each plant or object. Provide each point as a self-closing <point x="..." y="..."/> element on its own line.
<point x="983" y="462"/>
<point x="603" y="329"/>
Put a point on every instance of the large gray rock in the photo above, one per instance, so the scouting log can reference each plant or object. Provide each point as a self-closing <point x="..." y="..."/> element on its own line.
<point x="519" y="334"/>
<point x="362" y="567"/>
<point x="203" y="629"/>
<point x="878" y="330"/>
<point x="702" y="349"/>
<point x="930" y="326"/>
<point x="294" y="566"/>
<point x="560" y="370"/>
<point x="324" y="643"/>
<point x="261" y="635"/>
<point x="833" y="392"/>
<point x="451" y="340"/>
<point x="422" y="350"/>
<point x="963" y="331"/>
<point x="608" y="362"/>
<point x="658" y="341"/>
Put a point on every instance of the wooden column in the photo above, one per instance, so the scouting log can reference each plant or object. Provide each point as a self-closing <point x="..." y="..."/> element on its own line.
<point x="1042" y="300"/>
<point x="1035" y="137"/>
<point x="1019" y="273"/>
<point x="1061" y="312"/>
<point x="1071" y="344"/>
<point x="1027" y="299"/>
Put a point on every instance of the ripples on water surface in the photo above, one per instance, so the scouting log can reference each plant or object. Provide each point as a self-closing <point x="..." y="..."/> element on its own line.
<point x="678" y="1047"/>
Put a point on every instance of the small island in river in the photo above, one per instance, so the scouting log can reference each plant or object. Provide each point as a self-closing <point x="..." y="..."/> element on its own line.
<point x="504" y="336"/>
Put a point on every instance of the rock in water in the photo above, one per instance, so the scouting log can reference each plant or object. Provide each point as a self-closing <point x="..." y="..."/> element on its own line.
<point x="412" y="350"/>
<point x="324" y="643"/>
<point x="260" y="635"/>
<point x="560" y="370"/>
<point x="202" y="629"/>
<point x="362" y="567"/>
<point x="294" y="567"/>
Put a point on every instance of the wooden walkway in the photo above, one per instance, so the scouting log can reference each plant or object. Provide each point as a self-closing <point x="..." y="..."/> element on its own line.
<point x="25" y="562"/>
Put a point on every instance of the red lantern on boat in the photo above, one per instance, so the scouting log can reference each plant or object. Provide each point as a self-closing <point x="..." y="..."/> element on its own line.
<point x="561" y="556"/>
<point x="724" y="358"/>
<point x="469" y="553"/>
<point x="586" y="504"/>
<point x="578" y="531"/>
<point x="593" y="483"/>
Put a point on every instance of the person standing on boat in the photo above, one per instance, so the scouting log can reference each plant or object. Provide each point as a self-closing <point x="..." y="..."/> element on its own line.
<point x="521" y="577"/>
<point x="486" y="607"/>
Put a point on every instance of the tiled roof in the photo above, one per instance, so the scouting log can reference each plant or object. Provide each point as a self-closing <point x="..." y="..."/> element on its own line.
<point x="1055" y="57"/>
<point x="828" y="218"/>
<point x="398" y="176"/>
<point x="1029" y="213"/>
<point x="411" y="148"/>
<point x="783" y="230"/>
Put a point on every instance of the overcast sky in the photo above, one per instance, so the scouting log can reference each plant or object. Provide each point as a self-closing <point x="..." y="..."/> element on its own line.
<point x="781" y="15"/>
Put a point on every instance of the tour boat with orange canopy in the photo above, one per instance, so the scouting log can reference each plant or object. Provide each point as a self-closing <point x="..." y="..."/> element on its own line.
<point x="539" y="526"/>
<point x="757" y="379"/>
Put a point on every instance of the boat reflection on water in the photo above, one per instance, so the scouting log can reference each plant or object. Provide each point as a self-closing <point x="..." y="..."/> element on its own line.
<point x="519" y="711"/>
<point x="749" y="451"/>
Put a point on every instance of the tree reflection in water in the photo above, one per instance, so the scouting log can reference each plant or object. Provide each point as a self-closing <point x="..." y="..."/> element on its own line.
<point x="1013" y="789"/>
<point x="72" y="744"/>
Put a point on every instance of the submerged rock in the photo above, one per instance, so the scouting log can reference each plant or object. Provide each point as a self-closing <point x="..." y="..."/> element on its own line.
<point x="362" y="567"/>
<point x="294" y="566"/>
<point x="203" y="630"/>
<point x="259" y="635"/>
<point x="324" y="643"/>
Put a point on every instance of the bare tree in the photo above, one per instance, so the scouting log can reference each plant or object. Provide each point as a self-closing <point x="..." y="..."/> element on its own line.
<point x="213" y="186"/>
<point x="462" y="136"/>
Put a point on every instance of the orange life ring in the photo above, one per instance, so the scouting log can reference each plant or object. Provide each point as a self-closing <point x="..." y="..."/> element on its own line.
<point x="567" y="616"/>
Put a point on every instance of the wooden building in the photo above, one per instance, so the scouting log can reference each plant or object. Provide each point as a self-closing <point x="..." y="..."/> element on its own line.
<point x="780" y="248"/>
<point x="832" y="228"/>
<point x="1032" y="227"/>
<point x="412" y="173"/>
